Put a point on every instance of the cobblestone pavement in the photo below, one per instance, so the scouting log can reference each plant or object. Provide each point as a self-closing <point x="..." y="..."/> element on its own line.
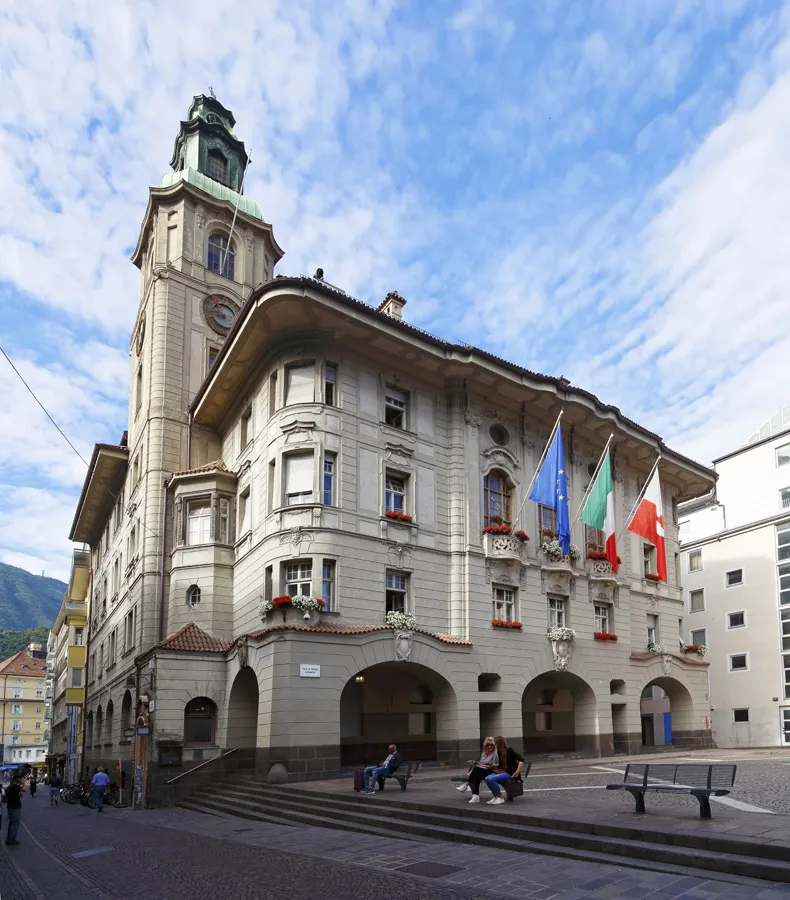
<point x="176" y="854"/>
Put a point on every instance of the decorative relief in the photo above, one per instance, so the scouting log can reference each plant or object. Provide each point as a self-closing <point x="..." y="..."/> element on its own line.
<point x="200" y="217"/>
<point x="243" y="652"/>
<point x="499" y="456"/>
<point x="666" y="664"/>
<point x="298" y="430"/>
<point x="399" y="554"/>
<point x="403" y="645"/>
<point x="295" y="536"/>
<point x="474" y="421"/>
<point x="398" y="454"/>
<point x="504" y="571"/>
<point x="556" y="581"/>
<point x="561" y="651"/>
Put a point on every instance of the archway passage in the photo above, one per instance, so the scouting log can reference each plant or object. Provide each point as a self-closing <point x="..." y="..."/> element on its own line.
<point x="667" y="714"/>
<point x="402" y="703"/>
<point x="560" y="715"/>
<point x="243" y="711"/>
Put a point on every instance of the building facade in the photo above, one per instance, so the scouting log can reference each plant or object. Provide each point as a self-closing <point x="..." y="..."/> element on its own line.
<point x="286" y="440"/>
<point x="22" y="697"/>
<point x="736" y="564"/>
<point x="67" y="661"/>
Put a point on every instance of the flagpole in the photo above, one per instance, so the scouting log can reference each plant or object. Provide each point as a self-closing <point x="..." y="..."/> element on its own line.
<point x="592" y="481"/>
<point x="537" y="468"/>
<point x="235" y="213"/>
<point x="638" y="499"/>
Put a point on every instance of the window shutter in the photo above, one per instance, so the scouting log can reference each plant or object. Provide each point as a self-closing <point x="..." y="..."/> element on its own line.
<point x="299" y="473"/>
<point x="300" y="387"/>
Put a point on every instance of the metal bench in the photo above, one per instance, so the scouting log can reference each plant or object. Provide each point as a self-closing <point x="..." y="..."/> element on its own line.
<point x="513" y="788"/>
<point x="400" y="776"/>
<point x="701" y="781"/>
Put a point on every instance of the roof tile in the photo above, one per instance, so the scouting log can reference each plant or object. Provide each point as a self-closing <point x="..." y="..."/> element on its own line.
<point x="216" y="466"/>
<point x="330" y="628"/>
<point x="25" y="665"/>
<point x="191" y="639"/>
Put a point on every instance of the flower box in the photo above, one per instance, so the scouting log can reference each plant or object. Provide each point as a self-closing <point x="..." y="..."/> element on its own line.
<point x="497" y="529"/>
<point x="403" y="621"/>
<point x="522" y="536"/>
<point x="695" y="648"/>
<point x="604" y="636"/>
<point x="560" y="634"/>
<point x="398" y="516"/>
<point x="285" y="600"/>
<point x="651" y="576"/>
<point x="502" y="623"/>
<point x="654" y="647"/>
<point x="594" y="554"/>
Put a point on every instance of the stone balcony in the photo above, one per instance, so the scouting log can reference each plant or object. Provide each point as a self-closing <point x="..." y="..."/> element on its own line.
<point x="600" y="570"/>
<point x="504" y="546"/>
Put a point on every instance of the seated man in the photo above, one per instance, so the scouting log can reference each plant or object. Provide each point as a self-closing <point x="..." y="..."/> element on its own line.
<point x="388" y="767"/>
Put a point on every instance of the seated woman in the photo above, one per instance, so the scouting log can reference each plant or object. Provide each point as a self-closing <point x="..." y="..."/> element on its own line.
<point x="509" y="769"/>
<point x="489" y="760"/>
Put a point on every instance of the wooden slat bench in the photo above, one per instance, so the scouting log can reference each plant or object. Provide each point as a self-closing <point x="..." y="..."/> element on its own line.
<point x="513" y="788"/>
<point x="700" y="780"/>
<point x="400" y="776"/>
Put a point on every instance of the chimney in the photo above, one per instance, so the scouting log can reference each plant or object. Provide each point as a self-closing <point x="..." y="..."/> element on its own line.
<point x="392" y="306"/>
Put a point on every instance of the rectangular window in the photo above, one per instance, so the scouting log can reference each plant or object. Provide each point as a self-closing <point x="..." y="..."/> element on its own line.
<point x="328" y="584"/>
<point x="270" y="486"/>
<point x="734" y="578"/>
<point x="199" y="522"/>
<point x="784" y="584"/>
<point x="736" y="619"/>
<point x="649" y="559"/>
<point x="330" y="382"/>
<point x="543" y="721"/>
<point x="652" y="629"/>
<point x="557" y="617"/>
<point x="783" y="455"/>
<point x="299" y="578"/>
<point x="272" y="394"/>
<point x="784" y="498"/>
<point x="128" y="631"/>
<point x="699" y="636"/>
<point x="740" y="715"/>
<point x="138" y="389"/>
<point x="739" y="662"/>
<point x="602" y="619"/>
<point x="328" y="486"/>
<point x="245" y="513"/>
<point x="16" y="709"/>
<point x="785" y="613"/>
<point x="299" y="384"/>
<point x="112" y="647"/>
<point x="695" y="560"/>
<point x="786" y="661"/>
<point x="268" y="583"/>
<point x="395" y="407"/>
<point x="246" y="427"/>
<point x="504" y="600"/>
<point x="298" y="478"/>
<point x="132" y="541"/>
<point x="783" y="541"/>
<point x="16" y="725"/>
<point x="697" y="601"/>
<point x="38" y="724"/>
<point x="397" y="587"/>
<point x="395" y="493"/>
<point x="101" y="658"/>
<point x="213" y="352"/>
<point x="76" y="677"/>
<point x="39" y="710"/>
<point x="594" y="539"/>
<point x="39" y="693"/>
<point x="136" y="470"/>
<point x="547" y="522"/>
<point x="224" y="520"/>
<point x="17" y="693"/>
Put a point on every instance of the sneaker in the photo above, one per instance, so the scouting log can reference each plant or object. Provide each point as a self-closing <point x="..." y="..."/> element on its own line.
<point x="474" y="799"/>
<point x="497" y="801"/>
<point x="462" y="787"/>
<point x="491" y="802"/>
<point x="370" y="792"/>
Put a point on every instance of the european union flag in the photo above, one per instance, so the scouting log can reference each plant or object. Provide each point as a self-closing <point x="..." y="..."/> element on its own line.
<point x="551" y="489"/>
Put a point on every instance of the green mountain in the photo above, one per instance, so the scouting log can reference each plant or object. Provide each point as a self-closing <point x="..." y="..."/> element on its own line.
<point x="12" y="642"/>
<point x="28" y="600"/>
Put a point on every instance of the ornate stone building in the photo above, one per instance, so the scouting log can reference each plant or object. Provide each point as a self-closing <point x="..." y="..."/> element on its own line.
<point x="286" y="439"/>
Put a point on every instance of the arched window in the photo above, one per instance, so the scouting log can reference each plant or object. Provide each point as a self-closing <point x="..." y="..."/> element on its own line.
<point x="221" y="255"/>
<point x="99" y="727"/>
<point x="193" y="596"/>
<point x="126" y="713"/>
<point x="108" y="723"/>
<point x="200" y="718"/>
<point x="217" y="166"/>
<point x="89" y="729"/>
<point x="497" y="496"/>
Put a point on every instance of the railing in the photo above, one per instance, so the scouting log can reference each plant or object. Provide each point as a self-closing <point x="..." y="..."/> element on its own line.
<point x="207" y="762"/>
<point x="165" y="791"/>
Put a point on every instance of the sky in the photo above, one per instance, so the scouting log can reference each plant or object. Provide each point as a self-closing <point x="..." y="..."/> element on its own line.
<point x="599" y="190"/>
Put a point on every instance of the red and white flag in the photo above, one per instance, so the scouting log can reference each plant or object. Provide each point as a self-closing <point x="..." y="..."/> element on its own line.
<point x="648" y="523"/>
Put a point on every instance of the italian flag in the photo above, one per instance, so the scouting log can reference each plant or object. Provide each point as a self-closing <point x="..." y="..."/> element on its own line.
<point x="598" y="511"/>
<point x="648" y="523"/>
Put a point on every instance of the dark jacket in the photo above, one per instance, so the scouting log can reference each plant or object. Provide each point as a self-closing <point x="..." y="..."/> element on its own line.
<point x="13" y="796"/>
<point x="512" y="759"/>
<point x="394" y="765"/>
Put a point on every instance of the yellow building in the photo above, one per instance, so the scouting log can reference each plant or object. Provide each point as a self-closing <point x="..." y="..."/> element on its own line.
<point x="66" y="661"/>
<point x="23" y="717"/>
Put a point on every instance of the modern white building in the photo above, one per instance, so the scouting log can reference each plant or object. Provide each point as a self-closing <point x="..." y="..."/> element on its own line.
<point x="736" y="572"/>
<point x="286" y="439"/>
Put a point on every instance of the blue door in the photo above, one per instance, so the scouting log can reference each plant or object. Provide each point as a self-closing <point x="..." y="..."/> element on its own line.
<point x="668" y="728"/>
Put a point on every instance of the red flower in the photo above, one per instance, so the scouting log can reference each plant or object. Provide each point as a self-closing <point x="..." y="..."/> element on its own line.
<point x="651" y="576"/>
<point x="604" y="636"/>
<point x="496" y="529"/>
<point x="397" y="516"/>
<point x="502" y="623"/>
<point x="284" y="600"/>
<point x="522" y="536"/>
<point x="594" y="554"/>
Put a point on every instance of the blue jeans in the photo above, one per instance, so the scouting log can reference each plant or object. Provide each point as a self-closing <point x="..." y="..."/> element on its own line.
<point x="493" y="782"/>
<point x="14" y="818"/>
<point x="98" y="795"/>
<point x="371" y="776"/>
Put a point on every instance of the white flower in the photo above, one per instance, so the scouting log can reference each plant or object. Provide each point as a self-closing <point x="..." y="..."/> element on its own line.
<point x="574" y="553"/>
<point x="400" y="620"/>
<point x="560" y="633"/>
<point x="307" y="603"/>
<point x="655" y="647"/>
<point x="265" y="608"/>
<point x="552" y="549"/>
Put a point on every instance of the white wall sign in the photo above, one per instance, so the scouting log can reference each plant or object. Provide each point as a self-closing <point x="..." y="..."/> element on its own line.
<point x="307" y="670"/>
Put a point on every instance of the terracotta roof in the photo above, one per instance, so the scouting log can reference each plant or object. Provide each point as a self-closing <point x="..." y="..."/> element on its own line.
<point x="25" y="665"/>
<point x="216" y="466"/>
<point x="329" y="628"/>
<point x="192" y="639"/>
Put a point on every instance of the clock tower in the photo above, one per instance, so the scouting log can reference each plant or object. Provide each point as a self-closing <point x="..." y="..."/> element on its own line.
<point x="203" y="246"/>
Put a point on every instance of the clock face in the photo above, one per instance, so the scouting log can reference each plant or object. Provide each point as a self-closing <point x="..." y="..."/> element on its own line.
<point x="220" y="312"/>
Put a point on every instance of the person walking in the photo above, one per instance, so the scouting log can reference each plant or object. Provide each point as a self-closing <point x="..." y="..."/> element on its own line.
<point x="99" y="781"/>
<point x="13" y="802"/>
<point x="33" y="785"/>
<point x="55" y="784"/>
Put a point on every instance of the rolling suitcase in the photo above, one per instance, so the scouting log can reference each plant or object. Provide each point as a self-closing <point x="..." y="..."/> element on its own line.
<point x="359" y="780"/>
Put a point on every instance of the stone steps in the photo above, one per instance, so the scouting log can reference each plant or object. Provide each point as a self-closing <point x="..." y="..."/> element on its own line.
<point x="612" y="845"/>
